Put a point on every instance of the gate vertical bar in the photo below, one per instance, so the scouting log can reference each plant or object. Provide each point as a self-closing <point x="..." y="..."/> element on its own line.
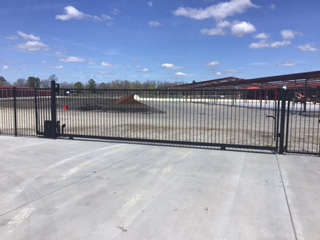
<point x="277" y="122"/>
<point x="36" y="111"/>
<point x="288" y="123"/>
<point x="15" y="111"/>
<point x="282" y="120"/>
<point x="54" y="88"/>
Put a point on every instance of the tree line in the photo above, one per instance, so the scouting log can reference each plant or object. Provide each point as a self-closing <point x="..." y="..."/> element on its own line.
<point x="35" y="82"/>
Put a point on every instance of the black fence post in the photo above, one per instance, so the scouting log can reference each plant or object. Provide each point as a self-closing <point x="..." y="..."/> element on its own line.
<point x="282" y="119"/>
<point x="15" y="111"/>
<point x="36" y="110"/>
<point x="52" y="127"/>
<point x="53" y="103"/>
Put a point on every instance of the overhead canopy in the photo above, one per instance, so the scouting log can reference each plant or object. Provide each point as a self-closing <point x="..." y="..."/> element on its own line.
<point x="296" y="80"/>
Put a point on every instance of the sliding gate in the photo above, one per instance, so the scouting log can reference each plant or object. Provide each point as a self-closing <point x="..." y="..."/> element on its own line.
<point x="260" y="119"/>
<point x="216" y="118"/>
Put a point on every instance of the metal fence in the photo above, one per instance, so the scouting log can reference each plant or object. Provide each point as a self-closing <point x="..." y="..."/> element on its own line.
<point x="17" y="110"/>
<point x="266" y="120"/>
<point x="302" y="132"/>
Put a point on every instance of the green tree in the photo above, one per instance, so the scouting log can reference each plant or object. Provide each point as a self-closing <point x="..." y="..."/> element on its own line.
<point x="104" y="85"/>
<point x="33" y="82"/>
<point x="92" y="84"/>
<point x="78" y="85"/>
<point x="3" y="81"/>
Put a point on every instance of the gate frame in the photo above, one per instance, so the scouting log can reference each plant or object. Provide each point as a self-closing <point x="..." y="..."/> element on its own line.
<point x="52" y="128"/>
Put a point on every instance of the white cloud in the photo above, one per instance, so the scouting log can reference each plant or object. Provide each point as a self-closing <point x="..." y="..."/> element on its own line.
<point x="71" y="14"/>
<point x="213" y="64"/>
<point x="261" y="36"/>
<point x="261" y="44"/>
<point x="288" y="34"/>
<point x="218" y="11"/>
<point x="32" y="46"/>
<point x="265" y="44"/>
<point x="218" y="30"/>
<point x="308" y="48"/>
<point x="56" y="67"/>
<point x="286" y="64"/>
<point x="226" y="72"/>
<point x="103" y="17"/>
<point x="106" y="64"/>
<point x="72" y="59"/>
<point x="154" y="24"/>
<point x="106" y="17"/>
<point x="240" y="29"/>
<point x="97" y="18"/>
<point x="145" y="70"/>
<point x="280" y="44"/>
<point x="5" y="67"/>
<point x="28" y="36"/>
<point x="223" y="24"/>
<point x="170" y="66"/>
<point x="272" y="6"/>
<point x="150" y="4"/>
<point x="180" y="74"/>
<point x="213" y="31"/>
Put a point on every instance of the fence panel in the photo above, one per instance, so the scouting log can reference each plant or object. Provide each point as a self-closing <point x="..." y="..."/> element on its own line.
<point x="7" y="112"/>
<point x="224" y="118"/>
<point x="303" y="121"/>
<point x="42" y="109"/>
<point x="17" y="111"/>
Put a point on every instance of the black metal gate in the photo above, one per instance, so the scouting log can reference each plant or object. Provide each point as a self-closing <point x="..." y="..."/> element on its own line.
<point x="230" y="118"/>
<point x="214" y="118"/>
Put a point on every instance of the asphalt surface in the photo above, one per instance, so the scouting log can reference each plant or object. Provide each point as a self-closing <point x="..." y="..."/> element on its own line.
<point x="80" y="189"/>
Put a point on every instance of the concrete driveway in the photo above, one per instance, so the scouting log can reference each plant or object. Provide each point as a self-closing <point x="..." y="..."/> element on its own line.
<point x="76" y="189"/>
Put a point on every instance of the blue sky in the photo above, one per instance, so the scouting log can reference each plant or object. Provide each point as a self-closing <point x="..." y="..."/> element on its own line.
<point x="157" y="40"/>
